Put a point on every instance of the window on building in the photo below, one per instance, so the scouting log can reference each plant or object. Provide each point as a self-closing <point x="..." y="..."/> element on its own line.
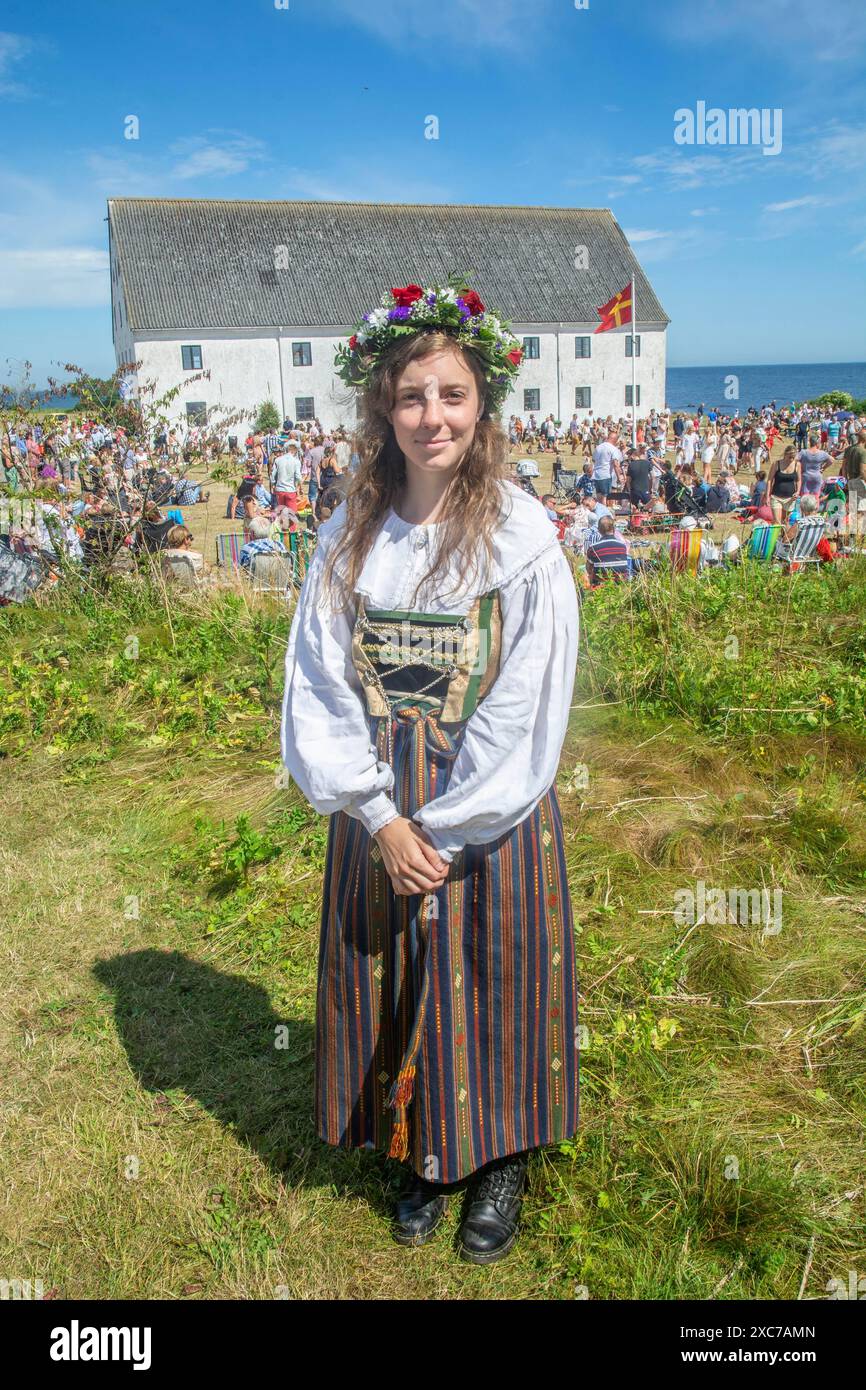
<point x="583" y="397"/>
<point x="632" y="345"/>
<point x="196" y="413"/>
<point x="532" y="399"/>
<point x="191" y="358"/>
<point x="302" y="355"/>
<point x="531" y="347"/>
<point x="305" y="408"/>
<point x="628" y="395"/>
<point x="583" y="347"/>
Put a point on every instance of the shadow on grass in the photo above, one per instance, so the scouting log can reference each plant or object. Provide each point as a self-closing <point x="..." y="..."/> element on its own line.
<point x="192" y="1031"/>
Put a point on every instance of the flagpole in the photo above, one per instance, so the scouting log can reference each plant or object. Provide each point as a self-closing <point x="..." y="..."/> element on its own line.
<point x="633" y="360"/>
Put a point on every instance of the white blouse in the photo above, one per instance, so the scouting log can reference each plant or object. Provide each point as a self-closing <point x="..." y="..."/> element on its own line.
<point x="512" y="742"/>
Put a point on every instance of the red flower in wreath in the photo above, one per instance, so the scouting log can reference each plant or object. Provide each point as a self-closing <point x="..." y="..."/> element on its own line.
<point x="473" y="302"/>
<point x="516" y="356"/>
<point x="408" y="295"/>
<point x="353" y="342"/>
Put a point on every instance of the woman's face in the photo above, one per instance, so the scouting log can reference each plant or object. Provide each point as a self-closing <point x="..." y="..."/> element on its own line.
<point x="436" y="409"/>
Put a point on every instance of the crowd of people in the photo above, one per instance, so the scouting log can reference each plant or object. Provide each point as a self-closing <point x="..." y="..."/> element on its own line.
<point x="107" y="494"/>
<point x="687" y="467"/>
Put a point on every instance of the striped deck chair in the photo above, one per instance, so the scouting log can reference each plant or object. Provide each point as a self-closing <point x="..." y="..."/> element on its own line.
<point x="762" y="541"/>
<point x="228" y="549"/>
<point x="301" y="544"/>
<point x="686" y="549"/>
<point x="802" y="549"/>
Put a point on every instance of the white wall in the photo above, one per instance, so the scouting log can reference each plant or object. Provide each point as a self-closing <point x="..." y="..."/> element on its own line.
<point x="607" y="371"/>
<point x="248" y="366"/>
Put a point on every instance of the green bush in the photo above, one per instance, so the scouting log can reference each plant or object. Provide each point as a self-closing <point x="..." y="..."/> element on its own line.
<point x="268" y="417"/>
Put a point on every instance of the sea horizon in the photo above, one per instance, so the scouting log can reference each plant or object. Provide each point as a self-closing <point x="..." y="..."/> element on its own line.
<point x="732" y="386"/>
<point x="727" y="386"/>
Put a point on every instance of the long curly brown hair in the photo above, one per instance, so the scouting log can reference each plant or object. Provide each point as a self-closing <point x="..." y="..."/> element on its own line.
<point x="473" y="501"/>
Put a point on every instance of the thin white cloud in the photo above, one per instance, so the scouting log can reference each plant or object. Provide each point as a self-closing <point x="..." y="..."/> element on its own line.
<point x="67" y="277"/>
<point x="466" y="25"/>
<point x="357" y="183"/>
<point x="14" y="49"/>
<point x="203" y="158"/>
<point x="702" y="212"/>
<point x="806" y="202"/>
<point x="797" y="31"/>
<point x="645" y="235"/>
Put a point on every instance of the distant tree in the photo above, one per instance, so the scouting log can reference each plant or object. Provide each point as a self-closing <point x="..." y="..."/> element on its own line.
<point x="268" y="417"/>
<point x="837" y="400"/>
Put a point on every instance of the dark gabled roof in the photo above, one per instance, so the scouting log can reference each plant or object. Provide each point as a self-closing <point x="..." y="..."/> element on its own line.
<point x="207" y="263"/>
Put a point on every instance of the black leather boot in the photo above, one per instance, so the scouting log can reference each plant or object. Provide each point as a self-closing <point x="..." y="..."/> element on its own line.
<point x="489" y="1227"/>
<point x="419" y="1211"/>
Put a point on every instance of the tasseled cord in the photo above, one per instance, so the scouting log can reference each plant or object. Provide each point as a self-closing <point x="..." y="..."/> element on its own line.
<point x="403" y="1089"/>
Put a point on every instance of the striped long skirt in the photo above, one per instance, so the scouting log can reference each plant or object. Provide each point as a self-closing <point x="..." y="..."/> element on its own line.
<point x="446" y="1023"/>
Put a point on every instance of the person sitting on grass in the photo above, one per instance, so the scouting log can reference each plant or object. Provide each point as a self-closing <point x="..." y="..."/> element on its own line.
<point x="153" y="528"/>
<point x="607" y="557"/>
<point x="580" y="523"/>
<point x="718" y="498"/>
<point x="260" y="541"/>
<point x="188" y="493"/>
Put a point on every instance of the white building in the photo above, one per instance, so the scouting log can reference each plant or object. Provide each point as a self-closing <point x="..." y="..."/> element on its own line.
<point x="237" y="302"/>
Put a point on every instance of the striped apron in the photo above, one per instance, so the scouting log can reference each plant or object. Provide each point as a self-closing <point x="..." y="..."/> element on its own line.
<point x="446" y="1023"/>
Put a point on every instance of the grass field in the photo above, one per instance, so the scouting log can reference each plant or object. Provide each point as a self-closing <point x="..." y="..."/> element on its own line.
<point x="159" y="946"/>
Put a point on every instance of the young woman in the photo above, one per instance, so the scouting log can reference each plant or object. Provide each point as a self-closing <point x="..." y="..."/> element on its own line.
<point x="429" y="674"/>
<point x="783" y="481"/>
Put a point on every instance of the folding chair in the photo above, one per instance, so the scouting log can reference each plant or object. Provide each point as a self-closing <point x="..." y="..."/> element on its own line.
<point x="180" y="569"/>
<point x="228" y="549"/>
<point x="566" y="484"/>
<point x="762" y="541"/>
<point x="272" y="573"/>
<point x="802" y="549"/>
<point x="685" y="549"/>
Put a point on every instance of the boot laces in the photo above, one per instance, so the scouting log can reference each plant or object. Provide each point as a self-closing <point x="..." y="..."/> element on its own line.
<point x="498" y="1182"/>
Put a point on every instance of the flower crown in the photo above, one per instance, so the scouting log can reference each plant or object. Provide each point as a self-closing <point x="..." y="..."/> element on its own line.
<point x="454" y="309"/>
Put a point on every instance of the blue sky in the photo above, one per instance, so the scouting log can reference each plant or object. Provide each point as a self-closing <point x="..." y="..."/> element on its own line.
<point x="756" y="258"/>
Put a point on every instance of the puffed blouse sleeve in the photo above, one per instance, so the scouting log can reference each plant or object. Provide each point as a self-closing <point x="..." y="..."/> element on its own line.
<point x="512" y="742"/>
<point x="325" y="734"/>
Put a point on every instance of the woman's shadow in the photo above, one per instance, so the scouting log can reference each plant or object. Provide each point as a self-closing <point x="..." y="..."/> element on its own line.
<point x="215" y="1037"/>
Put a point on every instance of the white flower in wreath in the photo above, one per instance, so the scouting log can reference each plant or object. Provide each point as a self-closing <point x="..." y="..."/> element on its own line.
<point x="362" y="335"/>
<point x="450" y="295"/>
<point x="378" y="318"/>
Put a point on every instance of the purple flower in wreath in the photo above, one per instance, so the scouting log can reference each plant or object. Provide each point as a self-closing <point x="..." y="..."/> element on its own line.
<point x="431" y="298"/>
<point x="401" y="312"/>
